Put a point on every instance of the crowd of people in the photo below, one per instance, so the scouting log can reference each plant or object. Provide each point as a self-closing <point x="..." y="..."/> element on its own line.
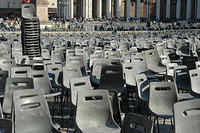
<point x="80" y="24"/>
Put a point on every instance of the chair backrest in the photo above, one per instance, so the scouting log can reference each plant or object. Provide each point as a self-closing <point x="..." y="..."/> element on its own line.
<point x="21" y="94"/>
<point x="170" y="69"/>
<point x="79" y="84"/>
<point x="165" y="59"/>
<point x="197" y="64"/>
<point x="37" y="63"/>
<point x="6" y="64"/>
<point x="152" y="58"/>
<point x="94" y="107"/>
<point x="40" y="80"/>
<point x="112" y="78"/>
<point x="162" y="97"/>
<point x="76" y="60"/>
<point x="57" y="56"/>
<point x="189" y="61"/>
<point x="5" y="126"/>
<point x="22" y="60"/>
<point x="182" y="77"/>
<point x="54" y="70"/>
<point x="94" y="57"/>
<point x="97" y="65"/>
<point x="19" y="72"/>
<point x="46" y="54"/>
<point x="140" y="62"/>
<point x="69" y="72"/>
<point x="129" y="70"/>
<point x="13" y="84"/>
<point x="70" y="52"/>
<point x="1" y="112"/>
<point x="32" y="115"/>
<point x="195" y="84"/>
<point x="3" y="77"/>
<point x="142" y="86"/>
<point x="116" y="109"/>
<point x="132" y="119"/>
<point x="187" y="116"/>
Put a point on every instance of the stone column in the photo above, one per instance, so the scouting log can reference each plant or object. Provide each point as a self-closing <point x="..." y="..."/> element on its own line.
<point x="168" y="9"/>
<point x="178" y="9"/>
<point x="189" y="6"/>
<point x="71" y="8"/>
<point x="89" y="8"/>
<point x="108" y="8"/>
<point x="99" y="8"/>
<point x="138" y="9"/>
<point x="128" y="6"/>
<point x="147" y="9"/>
<point x="42" y="11"/>
<point x="158" y="10"/>
<point x="118" y="8"/>
<point x="198" y="10"/>
<point x="86" y="8"/>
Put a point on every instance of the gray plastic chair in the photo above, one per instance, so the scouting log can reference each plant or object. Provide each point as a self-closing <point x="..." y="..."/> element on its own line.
<point x="53" y="71"/>
<point x="79" y="84"/>
<point x="187" y="116"/>
<point x="19" y="72"/>
<point x="162" y="97"/>
<point x="170" y="69"/>
<point x="129" y="71"/>
<point x="6" y="126"/>
<point x="112" y="78"/>
<point x="3" y="77"/>
<point x="138" y="120"/>
<point x="140" y="62"/>
<point x="69" y="72"/>
<point x="13" y="84"/>
<point x="97" y="67"/>
<point x="182" y="78"/>
<point x="32" y="116"/>
<point x="142" y="87"/>
<point x="57" y="56"/>
<point x="153" y="61"/>
<point x="94" y="113"/>
<point x="1" y="112"/>
<point x="40" y="80"/>
<point x="6" y="64"/>
<point x="78" y="61"/>
<point x="195" y="84"/>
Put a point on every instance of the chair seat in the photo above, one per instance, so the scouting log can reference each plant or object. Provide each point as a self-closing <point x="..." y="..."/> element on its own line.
<point x="158" y="69"/>
<point x="185" y="96"/>
<point x="95" y="80"/>
<point x="103" y="130"/>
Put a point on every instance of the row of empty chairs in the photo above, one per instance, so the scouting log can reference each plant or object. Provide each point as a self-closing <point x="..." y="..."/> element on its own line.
<point x="95" y="78"/>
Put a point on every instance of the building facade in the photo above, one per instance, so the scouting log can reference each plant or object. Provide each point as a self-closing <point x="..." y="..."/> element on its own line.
<point x="13" y="7"/>
<point x="10" y="7"/>
<point x="159" y="9"/>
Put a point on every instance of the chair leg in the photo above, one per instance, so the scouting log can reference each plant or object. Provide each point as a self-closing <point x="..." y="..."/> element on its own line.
<point x="154" y="124"/>
<point x="70" y="119"/>
<point x="172" y="124"/>
<point x="158" y="125"/>
<point x="61" y="108"/>
<point x="53" y="113"/>
<point x="164" y="122"/>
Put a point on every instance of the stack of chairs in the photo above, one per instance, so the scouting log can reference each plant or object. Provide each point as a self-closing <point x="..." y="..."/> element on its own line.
<point x="30" y="27"/>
